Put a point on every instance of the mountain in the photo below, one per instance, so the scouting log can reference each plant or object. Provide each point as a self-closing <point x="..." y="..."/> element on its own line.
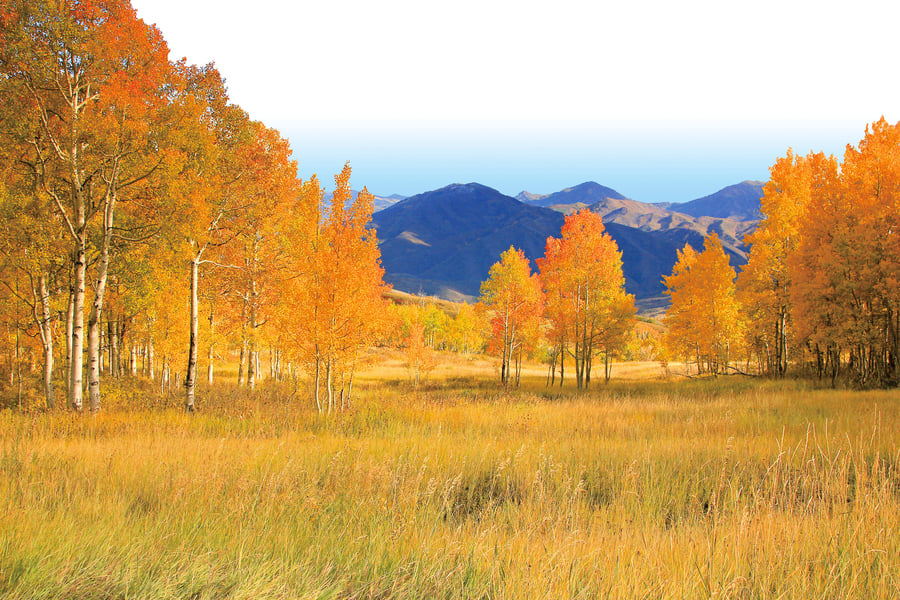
<point x="676" y="225"/>
<point x="444" y="242"/>
<point x="572" y="199"/>
<point x="616" y="208"/>
<point x="739" y="202"/>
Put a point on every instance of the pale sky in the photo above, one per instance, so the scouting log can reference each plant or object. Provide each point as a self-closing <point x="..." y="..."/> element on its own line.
<point x="663" y="101"/>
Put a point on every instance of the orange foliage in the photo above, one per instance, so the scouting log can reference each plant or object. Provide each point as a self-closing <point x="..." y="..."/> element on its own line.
<point x="587" y="305"/>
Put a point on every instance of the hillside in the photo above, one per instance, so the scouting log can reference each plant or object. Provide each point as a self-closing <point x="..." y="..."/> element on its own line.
<point x="676" y="225"/>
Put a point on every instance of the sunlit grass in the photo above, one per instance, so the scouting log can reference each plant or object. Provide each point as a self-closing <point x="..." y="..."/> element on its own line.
<point x="459" y="489"/>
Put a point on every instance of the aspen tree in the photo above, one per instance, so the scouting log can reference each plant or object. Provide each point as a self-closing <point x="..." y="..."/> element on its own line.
<point x="513" y="300"/>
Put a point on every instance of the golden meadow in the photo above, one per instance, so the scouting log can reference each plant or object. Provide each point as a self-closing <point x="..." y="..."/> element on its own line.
<point x="645" y="488"/>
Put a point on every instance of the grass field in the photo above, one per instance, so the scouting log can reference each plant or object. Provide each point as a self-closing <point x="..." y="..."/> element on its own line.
<point x="644" y="488"/>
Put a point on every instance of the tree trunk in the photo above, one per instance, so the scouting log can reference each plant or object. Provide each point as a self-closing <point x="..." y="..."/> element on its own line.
<point x="209" y="353"/>
<point x="42" y="299"/>
<point x="113" y="337"/>
<point x="242" y="364"/>
<point x="562" y="363"/>
<point x="329" y="387"/>
<point x="151" y="355"/>
<point x="94" y="321"/>
<point x="70" y="323"/>
<point x="317" y="384"/>
<point x="76" y="393"/>
<point x="190" y="378"/>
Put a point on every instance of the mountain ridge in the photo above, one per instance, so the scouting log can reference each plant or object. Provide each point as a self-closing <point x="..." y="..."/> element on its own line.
<point x="443" y="242"/>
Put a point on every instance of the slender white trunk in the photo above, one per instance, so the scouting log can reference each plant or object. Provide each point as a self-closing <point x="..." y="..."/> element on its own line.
<point x="94" y="321"/>
<point x="329" y="387"/>
<point x="70" y="322"/>
<point x="317" y="384"/>
<point x="242" y="364"/>
<point x="191" y="374"/>
<point x="76" y="393"/>
<point x="251" y="367"/>
<point x="209" y="354"/>
<point x="42" y="299"/>
<point x="150" y="357"/>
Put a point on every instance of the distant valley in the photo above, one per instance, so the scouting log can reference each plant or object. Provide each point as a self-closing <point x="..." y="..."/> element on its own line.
<point x="443" y="242"/>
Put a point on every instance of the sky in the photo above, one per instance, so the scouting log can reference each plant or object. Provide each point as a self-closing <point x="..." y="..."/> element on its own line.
<point x="663" y="101"/>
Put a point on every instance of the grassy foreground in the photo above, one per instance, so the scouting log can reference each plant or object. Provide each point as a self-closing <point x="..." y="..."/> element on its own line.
<point x="689" y="489"/>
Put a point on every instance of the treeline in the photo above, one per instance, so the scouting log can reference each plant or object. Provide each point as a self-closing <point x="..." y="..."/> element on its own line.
<point x="821" y="291"/>
<point x="141" y="208"/>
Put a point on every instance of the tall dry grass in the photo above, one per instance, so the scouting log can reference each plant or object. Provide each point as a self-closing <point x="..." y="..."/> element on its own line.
<point x="728" y="489"/>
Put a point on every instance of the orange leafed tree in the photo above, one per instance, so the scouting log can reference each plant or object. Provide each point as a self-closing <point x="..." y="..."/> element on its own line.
<point x="764" y="284"/>
<point x="846" y="268"/>
<point x="587" y="304"/>
<point x="268" y="183"/>
<point x="88" y="77"/>
<point x="514" y="302"/>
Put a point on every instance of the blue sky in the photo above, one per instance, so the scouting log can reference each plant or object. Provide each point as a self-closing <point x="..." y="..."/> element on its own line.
<point x="651" y="161"/>
<point x="662" y="101"/>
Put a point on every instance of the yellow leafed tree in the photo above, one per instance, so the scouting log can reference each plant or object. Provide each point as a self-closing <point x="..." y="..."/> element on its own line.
<point x="704" y="320"/>
<point x="333" y="303"/>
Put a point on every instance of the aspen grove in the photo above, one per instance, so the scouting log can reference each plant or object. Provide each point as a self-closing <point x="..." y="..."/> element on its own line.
<point x="133" y="191"/>
<point x="820" y="292"/>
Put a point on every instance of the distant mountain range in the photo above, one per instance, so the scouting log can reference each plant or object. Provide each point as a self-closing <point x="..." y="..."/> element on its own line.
<point x="443" y="242"/>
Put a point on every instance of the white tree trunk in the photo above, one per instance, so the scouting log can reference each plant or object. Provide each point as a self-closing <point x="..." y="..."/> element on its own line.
<point x="76" y="366"/>
<point x="43" y="299"/>
<point x="70" y="321"/>
<point x="150" y="358"/>
<point x="94" y="321"/>
<point x="190" y="378"/>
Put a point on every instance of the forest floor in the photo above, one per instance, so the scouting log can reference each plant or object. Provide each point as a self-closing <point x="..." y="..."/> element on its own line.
<point x="644" y="487"/>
